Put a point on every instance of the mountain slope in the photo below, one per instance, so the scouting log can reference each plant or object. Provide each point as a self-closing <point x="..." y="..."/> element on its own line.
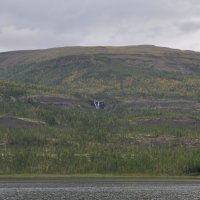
<point x="158" y="57"/>
<point x="129" y="71"/>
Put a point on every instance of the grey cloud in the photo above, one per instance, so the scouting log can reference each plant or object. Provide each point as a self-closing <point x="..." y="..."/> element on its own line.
<point x="47" y="23"/>
<point x="190" y="26"/>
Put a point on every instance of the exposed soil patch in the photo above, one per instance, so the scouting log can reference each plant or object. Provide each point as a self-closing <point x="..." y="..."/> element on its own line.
<point x="167" y="122"/>
<point x="161" y="104"/>
<point x="73" y="102"/>
<point x="16" y="122"/>
<point x="163" y="141"/>
<point x="68" y="102"/>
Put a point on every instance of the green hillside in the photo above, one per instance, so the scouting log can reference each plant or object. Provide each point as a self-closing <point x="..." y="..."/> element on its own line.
<point x="149" y="125"/>
<point x="108" y="72"/>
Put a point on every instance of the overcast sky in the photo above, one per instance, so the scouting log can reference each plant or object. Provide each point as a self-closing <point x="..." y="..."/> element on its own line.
<point x="33" y="24"/>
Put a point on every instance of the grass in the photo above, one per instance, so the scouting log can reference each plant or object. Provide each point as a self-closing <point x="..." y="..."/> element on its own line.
<point x="89" y="141"/>
<point x="93" y="176"/>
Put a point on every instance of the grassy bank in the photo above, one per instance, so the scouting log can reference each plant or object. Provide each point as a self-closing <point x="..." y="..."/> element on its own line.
<point x="93" y="176"/>
<point x="122" y="140"/>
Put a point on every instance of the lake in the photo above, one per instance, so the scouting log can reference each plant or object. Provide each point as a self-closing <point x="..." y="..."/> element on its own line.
<point x="104" y="189"/>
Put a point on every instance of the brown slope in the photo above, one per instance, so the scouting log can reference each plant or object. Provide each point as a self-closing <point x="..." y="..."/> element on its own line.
<point x="29" y="56"/>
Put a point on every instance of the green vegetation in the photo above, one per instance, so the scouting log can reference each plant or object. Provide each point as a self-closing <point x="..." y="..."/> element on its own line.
<point x="150" y="125"/>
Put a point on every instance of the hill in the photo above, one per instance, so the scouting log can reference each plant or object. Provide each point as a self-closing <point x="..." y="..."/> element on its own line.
<point x="133" y="71"/>
<point x="149" y="123"/>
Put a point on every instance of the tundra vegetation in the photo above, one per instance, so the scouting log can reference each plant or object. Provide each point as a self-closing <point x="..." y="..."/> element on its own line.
<point x="150" y="124"/>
